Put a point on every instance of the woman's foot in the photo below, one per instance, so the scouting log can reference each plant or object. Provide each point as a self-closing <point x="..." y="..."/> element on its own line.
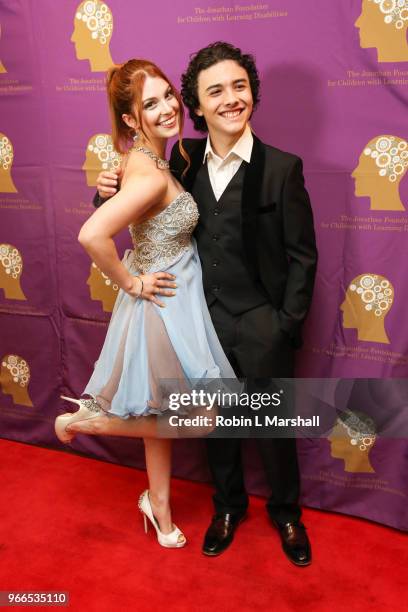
<point x="93" y="426"/>
<point x="173" y="538"/>
<point x="89" y="410"/>
<point x="161" y="512"/>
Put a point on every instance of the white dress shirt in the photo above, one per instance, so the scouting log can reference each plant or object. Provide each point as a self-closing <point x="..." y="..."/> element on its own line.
<point x="221" y="170"/>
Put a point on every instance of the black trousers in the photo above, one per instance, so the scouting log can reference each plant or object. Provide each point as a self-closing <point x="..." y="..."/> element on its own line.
<point x="256" y="347"/>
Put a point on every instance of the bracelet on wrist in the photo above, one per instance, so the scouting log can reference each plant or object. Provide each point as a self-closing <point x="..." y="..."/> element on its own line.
<point x="141" y="290"/>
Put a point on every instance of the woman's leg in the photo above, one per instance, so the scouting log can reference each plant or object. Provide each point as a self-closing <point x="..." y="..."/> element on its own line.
<point x="158" y="466"/>
<point x="146" y="426"/>
<point x="158" y="456"/>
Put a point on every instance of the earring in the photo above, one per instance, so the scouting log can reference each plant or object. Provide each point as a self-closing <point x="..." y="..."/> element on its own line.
<point x="135" y="136"/>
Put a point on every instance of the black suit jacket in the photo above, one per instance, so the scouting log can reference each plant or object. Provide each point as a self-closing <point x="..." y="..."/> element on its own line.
<point x="278" y="236"/>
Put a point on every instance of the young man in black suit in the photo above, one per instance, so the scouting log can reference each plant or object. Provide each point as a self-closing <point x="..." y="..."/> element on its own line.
<point x="256" y="243"/>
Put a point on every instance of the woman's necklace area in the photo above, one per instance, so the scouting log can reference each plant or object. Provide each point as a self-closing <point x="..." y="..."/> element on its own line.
<point x="162" y="164"/>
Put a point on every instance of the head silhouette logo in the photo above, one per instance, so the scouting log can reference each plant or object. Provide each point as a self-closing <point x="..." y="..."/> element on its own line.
<point x="101" y="288"/>
<point x="383" y="25"/>
<point x="14" y="379"/>
<point x="6" y="162"/>
<point x="100" y="155"/>
<point x="369" y="298"/>
<point x="352" y="439"/>
<point x="11" y="268"/>
<point x="381" y="167"/>
<point x="93" y="27"/>
<point x="2" y="68"/>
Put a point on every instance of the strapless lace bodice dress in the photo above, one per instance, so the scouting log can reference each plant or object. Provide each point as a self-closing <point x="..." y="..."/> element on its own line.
<point x="151" y="351"/>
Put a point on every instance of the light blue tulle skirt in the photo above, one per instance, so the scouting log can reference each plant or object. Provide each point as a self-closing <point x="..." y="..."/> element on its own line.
<point x="150" y="352"/>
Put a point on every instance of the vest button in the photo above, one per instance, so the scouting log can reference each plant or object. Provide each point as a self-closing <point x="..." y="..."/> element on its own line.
<point x="216" y="211"/>
<point x="215" y="237"/>
<point x="215" y="263"/>
<point x="215" y="288"/>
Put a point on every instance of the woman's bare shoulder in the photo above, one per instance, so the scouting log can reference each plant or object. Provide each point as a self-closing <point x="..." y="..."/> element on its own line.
<point x="141" y="169"/>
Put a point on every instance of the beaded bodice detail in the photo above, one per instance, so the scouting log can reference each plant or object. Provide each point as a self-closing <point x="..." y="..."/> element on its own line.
<point x="161" y="240"/>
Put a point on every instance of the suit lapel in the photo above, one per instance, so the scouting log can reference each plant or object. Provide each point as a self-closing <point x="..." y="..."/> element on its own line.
<point x="196" y="160"/>
<point x="251" y="195"/>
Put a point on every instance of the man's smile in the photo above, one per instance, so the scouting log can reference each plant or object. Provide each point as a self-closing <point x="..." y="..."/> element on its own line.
<point x="232" y="114"/>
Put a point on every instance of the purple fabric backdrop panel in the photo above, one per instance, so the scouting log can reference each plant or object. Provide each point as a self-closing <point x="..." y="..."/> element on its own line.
<point x="26" y="279"/>
<point x="334" y="91"/>
<point x="380" y="494"/>
<point x="86" y="292"/>
<point x="361" y="227"/>
<point x="27" y="270"/>
<point x="30" y="377"/>
<point x="362" y="457"/>
<point x="19" y="62"/>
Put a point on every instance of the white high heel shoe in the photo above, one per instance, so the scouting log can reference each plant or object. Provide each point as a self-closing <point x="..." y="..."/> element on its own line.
<point x="174" y="539"/>
<point x="88" y="409"/>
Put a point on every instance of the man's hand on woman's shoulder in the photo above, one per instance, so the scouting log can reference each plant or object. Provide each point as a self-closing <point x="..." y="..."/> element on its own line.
<point x="107" y="183"/>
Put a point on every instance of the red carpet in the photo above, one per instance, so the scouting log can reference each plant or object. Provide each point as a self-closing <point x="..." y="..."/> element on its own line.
<point x="70" y="523"/>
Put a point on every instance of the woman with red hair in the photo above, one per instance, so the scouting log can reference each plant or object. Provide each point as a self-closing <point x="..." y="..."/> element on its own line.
<point x="160" y="337"/>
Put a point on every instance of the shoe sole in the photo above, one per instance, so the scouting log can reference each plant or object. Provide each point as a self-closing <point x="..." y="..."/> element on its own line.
<point x="298" y="564"/>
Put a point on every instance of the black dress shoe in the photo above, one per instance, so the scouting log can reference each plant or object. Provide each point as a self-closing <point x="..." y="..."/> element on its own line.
<point x="220" y="533"/>
<point x="295" y="543"/>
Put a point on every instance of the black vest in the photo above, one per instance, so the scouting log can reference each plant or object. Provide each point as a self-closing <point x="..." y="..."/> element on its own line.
<point x="219" y="241"/>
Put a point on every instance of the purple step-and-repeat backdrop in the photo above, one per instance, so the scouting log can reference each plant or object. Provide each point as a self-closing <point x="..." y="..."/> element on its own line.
<point x="334" y="91"/>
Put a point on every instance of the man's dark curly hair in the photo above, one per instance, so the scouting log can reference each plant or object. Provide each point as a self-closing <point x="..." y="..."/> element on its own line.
<point x="203" y="59"/>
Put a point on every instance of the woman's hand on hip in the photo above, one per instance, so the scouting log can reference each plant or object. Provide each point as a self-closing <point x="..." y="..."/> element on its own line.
<point x="157" y="283"/>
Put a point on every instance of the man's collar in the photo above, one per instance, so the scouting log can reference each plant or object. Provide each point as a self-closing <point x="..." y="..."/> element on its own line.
<point x="242" y="148"/>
